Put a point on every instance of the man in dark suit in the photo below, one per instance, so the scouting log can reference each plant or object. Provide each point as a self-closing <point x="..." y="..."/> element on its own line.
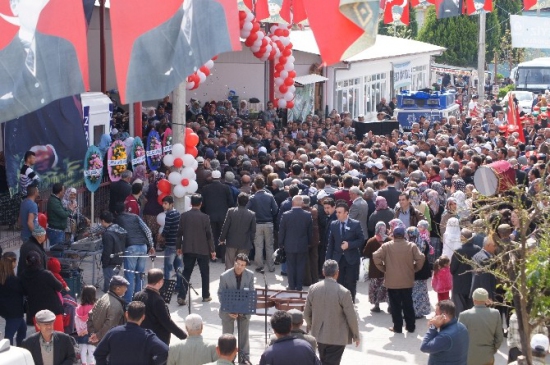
<point x="461" y="269"/>
<point x="449" y="8"/>
<point x="521" y="176"/>
<point x="59" y="343"/>
<point x="217" y="199"/>
<point x="390" y="192"/>
<point x="196" y="243"/>
<point x="238" y="231"/>
<point x="35" y="68"/>
<point x="167" y="54"/>
<point x="157" y="315"/>
<point x="295" y="232"/>
<point x="119" y="190"/>
<point x="239" y="277"/>
<point x="359" y="209"/>
<point x="344" y="241"/>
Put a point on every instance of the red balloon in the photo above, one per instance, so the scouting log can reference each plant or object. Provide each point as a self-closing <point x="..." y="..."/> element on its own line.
<point x="185" y="182"/>
<point x="258" y="54"/>
<point x="264" y="43"/>
<point x="290" y="104"/>
<point x="292" y="74"/>
<point x="252" y="37"/>
<point x="196" y="79"/>
<point x="283" y="89"/>
<point x="279" y="67"/>
<point x="255" y="27"/>
<point x="289" y="81"/>
<point x="279" y="32"/>
<point x="160" y="197"/>
<point x="43" y="220"/>
<point x="249" y="42"/>
<point x="262" y="50"/>
<point x="280" y="45"/>
<point x="214" y="58"/>
<point x="242" y="15"/>
<point x="178" y="162"/>
<point x="164" y="185"/>
<point x="205" y="70"/>
<point x="272" y="54"/>
<point x="286" y="33"/>
<point x="191" y="140"/>
<point x="289" y="45"/>
<point x="282" y="60"/>
<point x="193" y="151"/>
<point x="287" y="52"/>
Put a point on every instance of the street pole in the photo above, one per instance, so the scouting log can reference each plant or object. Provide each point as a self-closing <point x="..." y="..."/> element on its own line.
<point x="178" y="129"/>
<point x="481" y="58"/>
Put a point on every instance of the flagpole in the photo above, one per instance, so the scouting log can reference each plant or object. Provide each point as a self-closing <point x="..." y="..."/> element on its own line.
<point x="481" y="58"/>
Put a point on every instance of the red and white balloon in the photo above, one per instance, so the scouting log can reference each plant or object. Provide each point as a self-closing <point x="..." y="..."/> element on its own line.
<point x="198" y="77"/>
<point x="284" y="67"/>
<point x="183" y="178"/>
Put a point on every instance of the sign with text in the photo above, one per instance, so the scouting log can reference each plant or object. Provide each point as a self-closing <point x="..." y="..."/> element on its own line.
<point x="402" y="74"/>
<point x="530" y="32"/>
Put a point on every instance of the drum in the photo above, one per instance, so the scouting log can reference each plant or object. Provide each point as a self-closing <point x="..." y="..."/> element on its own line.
<point x="495" y="178"/>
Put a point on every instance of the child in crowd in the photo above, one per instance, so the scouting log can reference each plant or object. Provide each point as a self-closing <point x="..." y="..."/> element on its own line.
<point x="442" y="280"/>
<point x="87" y="301"/>
<point x="55" y="267"/>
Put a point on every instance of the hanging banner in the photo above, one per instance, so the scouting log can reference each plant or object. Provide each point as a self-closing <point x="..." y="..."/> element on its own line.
<point x="402" y="74"/>
<point x="396" y="12"/>
<point x="55" y="134"/>
<point x="153" y="57"/>
<point x="93" y="168"/>
<point x="364" y="14"/>
<point x="303" y="103"/>
<point x="117" y="160"/>
<point x="474" y="7"/>
<point x="43" y="54"/>
<point x="448" y="8"/>
<point x="530" y="31"/>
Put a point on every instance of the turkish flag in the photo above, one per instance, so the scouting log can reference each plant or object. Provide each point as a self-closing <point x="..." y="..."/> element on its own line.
<point x="396" y="11"/>
<point x="335" y="35"/>
<point x="475" y="6"/>
<point x="296" y="7"/>
<point x="529" y="4"/>
<point x="262" y="9"/>
<point x="514" y="124"/>
<point x="153" y="57"/>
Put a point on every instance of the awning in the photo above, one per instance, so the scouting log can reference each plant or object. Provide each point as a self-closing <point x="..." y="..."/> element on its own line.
<point x="309" y="79"/>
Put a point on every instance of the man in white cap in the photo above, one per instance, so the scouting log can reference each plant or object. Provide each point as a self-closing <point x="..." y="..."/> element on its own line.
<point x="194" y="350"/>
<point x="539" y="349"/>
<point x="48" y="346"/>
<point x="484" y="326"/>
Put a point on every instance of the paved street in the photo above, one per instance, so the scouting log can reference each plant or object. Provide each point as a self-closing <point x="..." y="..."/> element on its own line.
<point x="378" y="344"/>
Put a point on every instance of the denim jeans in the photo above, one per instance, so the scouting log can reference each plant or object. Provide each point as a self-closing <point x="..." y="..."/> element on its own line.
<point x="13" y="326"/>
<point x="132" y="264"/>
<point x="55" y="236"/>
<point x="172" y="262"/>
<point x="108" y="273"/>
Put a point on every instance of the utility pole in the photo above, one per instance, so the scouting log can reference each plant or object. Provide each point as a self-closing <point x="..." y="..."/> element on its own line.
<point x="178" y="129"/>
<point x="481" y="58"/>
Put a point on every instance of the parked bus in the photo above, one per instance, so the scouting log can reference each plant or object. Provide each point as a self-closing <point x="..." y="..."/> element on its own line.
<point x="532" y="75"/>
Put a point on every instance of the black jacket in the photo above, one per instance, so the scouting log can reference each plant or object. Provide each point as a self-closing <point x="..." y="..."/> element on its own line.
<point x="217" y="199"/>
<point x="30" y="245"/>
<point x="63" y="348"/>
<point x="11" y="298"/>
<point x="426" y="271"/>
<point x="41" y="288"/>
<point x="461" y="269"/>
<point x="114" y="243"/>
<point x="392" y="196"/>
<point x="118" y="192"/>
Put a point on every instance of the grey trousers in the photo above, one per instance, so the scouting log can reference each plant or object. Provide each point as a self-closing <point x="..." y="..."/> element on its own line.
<point x="264" y="234"/>
<point x="230" y="254"/>
<point x="228" y="326"/>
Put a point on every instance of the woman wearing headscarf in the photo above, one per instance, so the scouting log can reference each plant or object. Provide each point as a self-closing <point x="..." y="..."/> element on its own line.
<point x="377" y="291"/>
<point x="418" y="203"/>
<point x="449" y="212"/>
<point x="76" y="219"/>
<point x="451" y="237"/>
<point x="382" y="213"/>
<point x="436" y="212"/>
<point x="421" y="300"/>
<point x="396" y="223"/>
<point x="42" y="289"/>
<point x="437" y="186"/>
<point x="462" y="209"/>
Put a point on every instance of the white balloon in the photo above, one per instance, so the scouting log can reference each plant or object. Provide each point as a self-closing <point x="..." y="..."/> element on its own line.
<point x="190" y="85"/>
<point x="202" y="76"/>
<point x="285" y="41"/>
<point x="192" y="187"/>
<point x="255" y="48"/>
<point x="247" y="26"/>
<point x="174" y="178"/>
<point x="188" y="160"/>
<point x="272" y="29"/>
<point x="195" y="165"/>
<point x="278" y="82"/>
<point x="168" y="160"/>
<point x="257" y="43"/>
<point x="274" y="38"/>
<point x="245" y="33"/>
<point x="284" y="74"/>
<point x="261" y="35"/>
<point x="209" y="64"/>
<point x="290" y="59"/>
<point x="280" y="104"/>
<point x="161" y="218"/>
<point x="249" y="17"/>
<point x="179" y="191"/>
<point x="288" y="67"/>
<point x="178" y="150"/>
<point x="188" y="173"/>
<point x="288" y="96"/>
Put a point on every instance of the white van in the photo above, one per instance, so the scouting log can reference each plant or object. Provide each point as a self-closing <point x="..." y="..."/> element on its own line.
<point x="12" y="355"/>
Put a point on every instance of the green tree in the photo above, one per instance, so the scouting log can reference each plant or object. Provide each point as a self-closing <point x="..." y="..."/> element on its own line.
<point x="492" y="36"/>
<point x="503" y="9"/>
<point x="400" y="31"/>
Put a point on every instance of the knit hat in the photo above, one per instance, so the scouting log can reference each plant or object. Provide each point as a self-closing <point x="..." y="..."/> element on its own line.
<point x="38" y="231"/>
<point x="480" y="295"/>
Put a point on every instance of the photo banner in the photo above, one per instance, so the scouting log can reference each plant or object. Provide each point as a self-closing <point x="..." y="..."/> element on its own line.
<point x="43" y="54"/>
<point x="56" y="136"/>
<point x="530" y="31"/>
<point x="448" y="8"/>
<point x="153" y="57"/>
<point x="303" y="102"/>
<point x="402" y="74"/>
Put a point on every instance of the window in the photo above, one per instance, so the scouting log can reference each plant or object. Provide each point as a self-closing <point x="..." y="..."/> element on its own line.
<point x="374" y="91"/>
<point x="419" y="78"/>
<point x="347" y="96"/>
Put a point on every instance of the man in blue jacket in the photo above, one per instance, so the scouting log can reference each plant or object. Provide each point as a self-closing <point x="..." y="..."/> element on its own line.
<point x="131" y="344"/>
<point x="447" y="339"/>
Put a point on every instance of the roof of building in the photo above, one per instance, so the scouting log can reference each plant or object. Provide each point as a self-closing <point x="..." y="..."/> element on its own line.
<point x="384" y="47"/>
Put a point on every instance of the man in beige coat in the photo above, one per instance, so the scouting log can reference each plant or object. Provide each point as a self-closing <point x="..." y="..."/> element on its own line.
<point x="485" y="328"/>
<point x="399" y="260"/>
<point x="330" y="315"/>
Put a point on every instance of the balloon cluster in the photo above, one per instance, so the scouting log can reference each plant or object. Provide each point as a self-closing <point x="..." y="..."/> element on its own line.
<point x="199" y="76"/>
<point x="284" y="67"/>
<point x="183" y="177"/>
<point x="261" y="45"/>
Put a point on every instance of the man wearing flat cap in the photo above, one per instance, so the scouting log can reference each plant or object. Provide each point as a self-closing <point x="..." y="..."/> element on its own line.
<point x="484" y="327"/>
<point x="48" y="346"/>
<point x="296" y="330"/>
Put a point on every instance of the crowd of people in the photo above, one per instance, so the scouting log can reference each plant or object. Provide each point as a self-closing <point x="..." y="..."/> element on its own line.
<point x="315" y="197"/>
